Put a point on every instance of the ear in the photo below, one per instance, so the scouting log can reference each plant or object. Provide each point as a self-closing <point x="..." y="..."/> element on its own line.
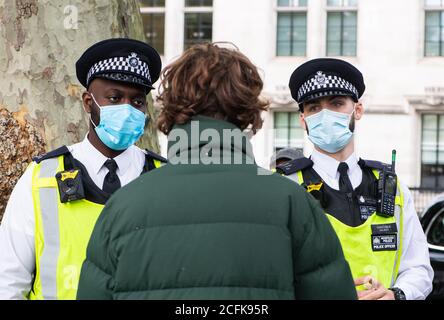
<point x="87" y="102"/>
<point x="359" y="110"/>
<point x="302" y="121"/>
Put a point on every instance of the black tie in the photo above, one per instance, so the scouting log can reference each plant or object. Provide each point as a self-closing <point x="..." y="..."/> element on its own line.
<point x="111" y="182"/>
<point x="344" y="182"/>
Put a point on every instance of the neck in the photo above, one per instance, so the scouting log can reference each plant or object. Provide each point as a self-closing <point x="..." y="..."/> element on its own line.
<point x="100" y="146"/>
<point x="341" y="155"/>
<point x="208" y="140"/>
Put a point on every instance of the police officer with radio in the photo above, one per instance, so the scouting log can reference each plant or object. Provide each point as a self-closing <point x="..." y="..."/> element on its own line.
<point x="55" y="204"/>
<point x="371" y="211"/>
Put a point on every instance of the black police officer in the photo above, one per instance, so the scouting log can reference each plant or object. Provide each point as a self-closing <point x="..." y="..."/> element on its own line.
<point x="60" y="196"/>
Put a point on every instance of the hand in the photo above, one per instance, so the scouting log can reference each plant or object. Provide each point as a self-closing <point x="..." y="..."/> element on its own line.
<point x="374" y="289"/>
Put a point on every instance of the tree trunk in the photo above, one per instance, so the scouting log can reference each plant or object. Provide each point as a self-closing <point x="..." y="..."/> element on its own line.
<point x="40" y="42"/>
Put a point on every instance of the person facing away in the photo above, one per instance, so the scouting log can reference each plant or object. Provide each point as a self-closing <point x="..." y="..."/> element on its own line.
<point x="216" y="226"/>
<point x="382" y="241"/>
<point x="55" y="204"/>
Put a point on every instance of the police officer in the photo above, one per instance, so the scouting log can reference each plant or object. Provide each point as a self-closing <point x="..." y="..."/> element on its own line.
<point x="284" y="155"/>
<point x="388" y="254"/>
<point x="55" y="204"/>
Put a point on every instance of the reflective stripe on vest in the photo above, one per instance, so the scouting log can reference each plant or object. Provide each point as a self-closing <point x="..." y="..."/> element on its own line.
<point x="62" y="234"/>
<point x="357" y="242"/>
<point x="50" y="221"/>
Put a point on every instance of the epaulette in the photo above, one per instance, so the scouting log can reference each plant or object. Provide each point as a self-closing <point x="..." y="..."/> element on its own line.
<point x="373" y="164"/>
<point x="155" y="156"/>
<point x="52" y="154"/>
<point x="294" y="166"/>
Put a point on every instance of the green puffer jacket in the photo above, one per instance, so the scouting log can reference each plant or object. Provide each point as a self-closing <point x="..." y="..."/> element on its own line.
<point x="213" y="231"/>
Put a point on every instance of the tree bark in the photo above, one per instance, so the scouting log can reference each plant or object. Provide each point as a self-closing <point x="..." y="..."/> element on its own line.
<point x="40" y="42"/>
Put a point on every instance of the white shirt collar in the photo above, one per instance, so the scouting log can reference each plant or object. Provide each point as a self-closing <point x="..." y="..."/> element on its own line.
<point x="123" y="160"/>
<point x="330" y="165"/>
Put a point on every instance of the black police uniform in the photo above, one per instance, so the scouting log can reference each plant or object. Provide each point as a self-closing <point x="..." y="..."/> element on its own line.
<point x="353" y="208"/>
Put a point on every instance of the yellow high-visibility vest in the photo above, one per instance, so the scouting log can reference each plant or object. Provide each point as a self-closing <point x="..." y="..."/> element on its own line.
<point x="358" y="243"/>
<point x="62" y="232"/>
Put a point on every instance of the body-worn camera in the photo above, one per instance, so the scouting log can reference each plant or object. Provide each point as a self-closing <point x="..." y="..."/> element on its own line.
<point x="70" y="185"/>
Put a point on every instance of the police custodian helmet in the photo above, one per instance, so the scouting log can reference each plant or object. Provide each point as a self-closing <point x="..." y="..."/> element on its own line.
<point x="118" y="59"/>
<point x="326" y="77"/>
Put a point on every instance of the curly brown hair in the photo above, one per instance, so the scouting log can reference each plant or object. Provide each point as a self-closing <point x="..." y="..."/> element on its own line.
<point x="212" y="81"/>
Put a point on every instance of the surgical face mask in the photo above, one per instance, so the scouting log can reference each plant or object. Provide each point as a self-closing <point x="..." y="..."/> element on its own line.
<point x="329" y="130"/>
<point x="120" y="125"/>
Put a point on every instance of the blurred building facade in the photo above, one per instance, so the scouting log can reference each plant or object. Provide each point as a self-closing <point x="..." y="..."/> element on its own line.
<point x="397" y="44"/>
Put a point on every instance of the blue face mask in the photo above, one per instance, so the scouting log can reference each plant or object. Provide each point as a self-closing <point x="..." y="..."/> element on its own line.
<point x="120" y="125"/>
<point x="329" y="130"/>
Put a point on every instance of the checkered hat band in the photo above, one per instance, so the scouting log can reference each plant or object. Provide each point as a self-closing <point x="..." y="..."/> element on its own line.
<point x="120" y="64"/>
<point x="329" y="82"/>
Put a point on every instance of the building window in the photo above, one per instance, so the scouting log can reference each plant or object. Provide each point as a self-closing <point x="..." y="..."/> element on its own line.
<point x="292" y="3"/>
<point x="198" y="22"/>
<point x="153" y="18"/>
<point x="432" y="151"/>
<point x="291" y="28"/>
<point x="342" y="27"/>
<point x="199" y="3"/>
<point x="152" y="3"/>
<point x="288" y="132"/>
<point x="434" y="28"/>
<point x="342" y="3"/>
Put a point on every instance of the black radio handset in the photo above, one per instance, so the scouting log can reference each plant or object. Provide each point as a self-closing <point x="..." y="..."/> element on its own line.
<point x="387" y="186"/>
